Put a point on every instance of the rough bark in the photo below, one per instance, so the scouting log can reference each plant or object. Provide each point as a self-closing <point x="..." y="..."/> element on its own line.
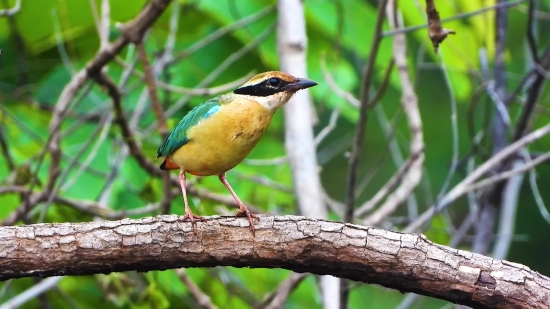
<point x="406" y="262"/>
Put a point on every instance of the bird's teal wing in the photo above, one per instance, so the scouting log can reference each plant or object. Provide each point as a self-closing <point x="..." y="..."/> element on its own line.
<point x="178" y="137"/>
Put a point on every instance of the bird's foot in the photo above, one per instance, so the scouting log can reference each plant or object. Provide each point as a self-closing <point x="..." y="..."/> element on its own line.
<point x="244" y="212"/>
<point x="193" y="219"/>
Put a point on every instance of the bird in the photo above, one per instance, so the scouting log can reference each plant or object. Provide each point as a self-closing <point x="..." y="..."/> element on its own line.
<point x="218" y="134"/>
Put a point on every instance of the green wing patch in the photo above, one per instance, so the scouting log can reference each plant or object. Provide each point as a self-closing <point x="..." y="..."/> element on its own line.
<point x="178" y="136"/>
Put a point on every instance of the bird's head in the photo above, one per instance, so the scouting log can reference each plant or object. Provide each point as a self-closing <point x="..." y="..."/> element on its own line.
<point x="272" y="89"/>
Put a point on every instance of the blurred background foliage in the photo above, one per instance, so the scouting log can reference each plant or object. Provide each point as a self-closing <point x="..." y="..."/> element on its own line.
<point x="59" y="37"/>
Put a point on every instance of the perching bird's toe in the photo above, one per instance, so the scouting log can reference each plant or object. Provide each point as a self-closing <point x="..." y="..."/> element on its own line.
<point x="244" y="212"/>
<point x="193" y="219"/>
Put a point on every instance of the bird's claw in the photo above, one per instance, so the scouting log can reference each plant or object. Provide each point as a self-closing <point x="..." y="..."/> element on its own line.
<point x="193" y="219"/>
<point x="244" y="212"/>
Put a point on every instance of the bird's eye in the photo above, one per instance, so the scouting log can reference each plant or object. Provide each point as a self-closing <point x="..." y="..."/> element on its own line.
<point x="274" y="82"/>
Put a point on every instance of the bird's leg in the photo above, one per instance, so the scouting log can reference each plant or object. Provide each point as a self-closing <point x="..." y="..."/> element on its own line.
<point x="188" y="214"/>
<point x="243" y="210"/>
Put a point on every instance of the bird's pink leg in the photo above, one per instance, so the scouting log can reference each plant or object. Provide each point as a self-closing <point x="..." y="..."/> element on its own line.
<point x="188" y="214"/>
<point x="243" y="210"/>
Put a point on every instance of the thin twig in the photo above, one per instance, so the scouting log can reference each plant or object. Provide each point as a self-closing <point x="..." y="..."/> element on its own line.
<point x="355" y="154"/>
<point x="222" y="67"/>
<point x="386" y="189"/>
<point x="508" y="213"/>
<point x="458" y="190"/>
<point x="537" y="14"/>
<point x="31" y="293"/>
<point x="234" y="285"/>
<point x="103" y="211"/>
<point x="409" y="101"/>
<point x="150" y="82"/>
<point x="91" y="155"/>
<point x="363" y="116"/>
<point x="264" y="181"/>
<point x="381" y="194"/>
<point x="202" y="299"/>
<point x="331" y="83"/>
<point x="533" y="95"/>
<point x="39" y="140"/>
<point x="14" y="10"/>
<point x="221" y="32"/>
<point x="189" y="91"/>
<point x="63" y="176"/>
<point x="395" y="153"/>
<point x="120" y="119"/>
<point x="536" y="193"/>
<point x="329" y="127"/>
<point x="532" y="43"/>
<point x="18" y="39"/>
<point x="505" y="175"/>
<point x="491" y="203"/>
<point x="459" y="16"/>
<point x="61" y="43"/>
<point x="4" y="146"/>
<point x="89" y="207"/>
<point x="408" y="301"/>
<point x="454" y="131"/>
<point x="274" y="161"/>
<point x="277" y="299"/>
<point x="105" y="24"/>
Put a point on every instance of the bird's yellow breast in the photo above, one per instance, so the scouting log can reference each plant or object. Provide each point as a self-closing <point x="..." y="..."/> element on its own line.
<point x="223" y="140"/>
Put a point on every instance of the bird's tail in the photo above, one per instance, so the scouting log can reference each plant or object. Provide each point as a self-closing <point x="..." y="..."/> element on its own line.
<point x="169" y="165"/>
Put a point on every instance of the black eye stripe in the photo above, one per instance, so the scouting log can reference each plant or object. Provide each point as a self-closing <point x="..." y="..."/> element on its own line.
<point x="262" y="89"/>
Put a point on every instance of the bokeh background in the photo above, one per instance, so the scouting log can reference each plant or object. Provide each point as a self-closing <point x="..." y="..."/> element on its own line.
<point x="47" y="41"/>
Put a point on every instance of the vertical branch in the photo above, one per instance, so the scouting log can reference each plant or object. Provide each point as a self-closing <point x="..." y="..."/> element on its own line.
<point x="533" y="94"/>
<point x="4" y="148"/>
<point x="363" y="116"/>
<point x="489" y="207"/>
<point x="277" y="299"/>
<point x="151" y="73"/>
<point x="500" y="127"/>
<point x="409" y="100"/>
<point x="299" y="138"/>
<point x="360" y="134"/>
<point x="105" y="24"/>
<point x="300" y="144"/>
<point x="11" y="11"/>
<point x="508" y="213"/>
<point x="203" y="300"/>
<point x="530" y="34"/>
<point x="18" y="38"/>
<point x="150" y="81"/>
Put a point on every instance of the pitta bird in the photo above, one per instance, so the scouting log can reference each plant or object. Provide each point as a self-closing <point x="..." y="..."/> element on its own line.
<point x="218" y="134"/>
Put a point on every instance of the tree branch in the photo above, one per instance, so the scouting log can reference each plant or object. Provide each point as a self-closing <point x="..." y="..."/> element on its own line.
<point x="407" y="262"/>
<point x="202" y="299"/>
<point x="491" y="204"/>
<point x="484" y="168"/>
<point x="14" y="10"/>
<point x="413" y="170"/>
<point x="299" y="117"/>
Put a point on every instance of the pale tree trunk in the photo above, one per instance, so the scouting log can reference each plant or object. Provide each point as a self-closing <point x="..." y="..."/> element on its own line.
<point x="299" y="139"/>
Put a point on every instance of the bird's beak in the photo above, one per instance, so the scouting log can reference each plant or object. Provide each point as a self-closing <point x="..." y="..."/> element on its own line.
<point x="301" y="83"/>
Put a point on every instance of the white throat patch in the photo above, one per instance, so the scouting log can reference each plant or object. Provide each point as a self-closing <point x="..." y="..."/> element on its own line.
<point x="271" y="102"/>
